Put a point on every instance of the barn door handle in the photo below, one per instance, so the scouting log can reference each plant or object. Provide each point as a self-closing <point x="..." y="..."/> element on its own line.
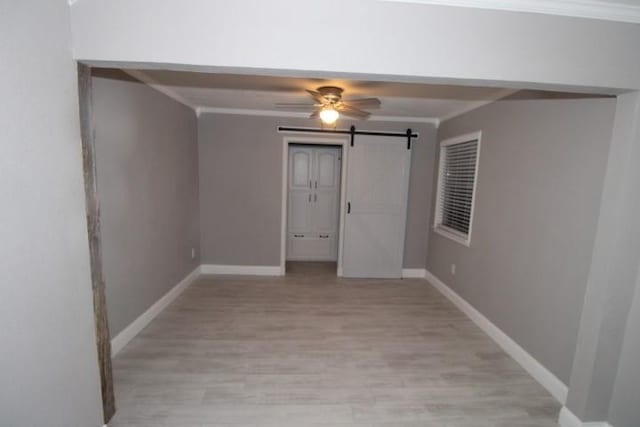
<point x="315" y="197"/>
<point x="348" y="207"/>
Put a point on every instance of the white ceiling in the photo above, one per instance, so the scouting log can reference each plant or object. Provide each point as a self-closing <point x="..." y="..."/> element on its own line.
<point x="259" y="94"/>
<point x="610" y="10"/>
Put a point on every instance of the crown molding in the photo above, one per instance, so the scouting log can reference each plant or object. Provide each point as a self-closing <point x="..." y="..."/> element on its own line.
<point x="295" y="114"/>
<point x="250" y="112"/>
<point x="590" y="9"/>
<point x="144" y="78"/>
<point x="503" y="93"/>
<point x="405" y="119"/>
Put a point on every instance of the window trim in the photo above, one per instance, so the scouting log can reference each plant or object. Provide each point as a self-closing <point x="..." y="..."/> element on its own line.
<point x="443" y="230"/>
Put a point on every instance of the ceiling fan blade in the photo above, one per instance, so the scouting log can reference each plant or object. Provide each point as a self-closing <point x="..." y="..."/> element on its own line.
<point x="317" y="96"/>
<point x="352" y="112"/>
<point x="364" y="102"/>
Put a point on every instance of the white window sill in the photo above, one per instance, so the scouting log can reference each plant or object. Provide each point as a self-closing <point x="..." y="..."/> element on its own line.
<point x="453" y="235"/>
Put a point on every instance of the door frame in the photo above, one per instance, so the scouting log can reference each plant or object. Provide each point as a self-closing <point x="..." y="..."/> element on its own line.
<point x="291" y="139"/>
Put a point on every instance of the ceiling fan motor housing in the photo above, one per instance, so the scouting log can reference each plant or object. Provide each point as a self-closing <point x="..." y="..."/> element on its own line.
<point x="332" y="94"/>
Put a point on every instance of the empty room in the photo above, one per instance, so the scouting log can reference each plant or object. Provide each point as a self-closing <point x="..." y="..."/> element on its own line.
<point x="363" y="213"/>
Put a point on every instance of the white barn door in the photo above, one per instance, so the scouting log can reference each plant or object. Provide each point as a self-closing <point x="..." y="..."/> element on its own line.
<point x="377" y="187"/>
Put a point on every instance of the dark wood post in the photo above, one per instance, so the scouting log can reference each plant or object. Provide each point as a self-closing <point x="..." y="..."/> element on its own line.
<point x="103" y="338"/>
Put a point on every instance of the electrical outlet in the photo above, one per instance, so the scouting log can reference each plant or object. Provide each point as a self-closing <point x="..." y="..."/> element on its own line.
<point x="453" y="269"/>
<point x="193" y="253"/>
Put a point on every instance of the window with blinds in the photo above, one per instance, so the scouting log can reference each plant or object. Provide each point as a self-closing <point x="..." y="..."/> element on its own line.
<point x="458" y="171"/>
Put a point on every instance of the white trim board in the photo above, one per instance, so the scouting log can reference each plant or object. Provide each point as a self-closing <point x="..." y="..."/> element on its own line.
<point x="127" y="334"/>
<point x="541" y="374"/>
<point x="590" y="9"/>
<point x="414" y="273"/>
<point x="242" y="270"/>
<point x="569" y="419"/>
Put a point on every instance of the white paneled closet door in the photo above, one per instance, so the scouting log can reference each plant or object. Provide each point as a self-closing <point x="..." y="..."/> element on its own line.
<point x="314" y="197"/>
<point x="326" y="190"/>
<point x="300" y="183"/>
<point x="377" y="189"/>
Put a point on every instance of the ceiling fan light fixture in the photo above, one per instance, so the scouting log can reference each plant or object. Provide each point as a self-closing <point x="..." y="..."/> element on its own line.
<point x="329" y="115"/>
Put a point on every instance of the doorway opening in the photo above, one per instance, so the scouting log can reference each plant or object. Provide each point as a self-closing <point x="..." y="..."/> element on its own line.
<point x="312" y="205"/>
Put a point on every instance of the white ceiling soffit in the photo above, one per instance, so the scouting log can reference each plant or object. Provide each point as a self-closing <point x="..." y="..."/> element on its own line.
<point x="145" y="78"/>
<point x="608" y="10"/>
<point x="257" y="95"/>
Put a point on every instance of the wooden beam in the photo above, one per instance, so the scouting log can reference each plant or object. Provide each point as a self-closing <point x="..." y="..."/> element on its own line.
<point x="103" y="337"/>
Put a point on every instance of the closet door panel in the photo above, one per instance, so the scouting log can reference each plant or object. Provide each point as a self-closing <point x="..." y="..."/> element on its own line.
<point x="327" y="170"/>
<point x="299" y="216"/>
<point x="300" y="182"/>
<point x="327" y="189"/>
<point x="300" y="168"/>
<point x="314" y="247"/>
<point x="324" y="215"/>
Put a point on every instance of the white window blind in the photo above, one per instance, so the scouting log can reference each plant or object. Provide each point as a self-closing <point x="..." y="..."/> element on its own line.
<point x="458" y="171"/>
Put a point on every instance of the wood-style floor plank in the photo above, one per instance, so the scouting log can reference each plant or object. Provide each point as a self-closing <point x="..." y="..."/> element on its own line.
<point x="310" y="349"/>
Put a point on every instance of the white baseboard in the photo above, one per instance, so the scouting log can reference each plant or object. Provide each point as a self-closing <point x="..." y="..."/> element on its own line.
<point x="413" y="273"/>
<point x="247" y="270"/>
<point x="569" y="419"/>
<point x="541" y="374"/>
<point x="127" y="334"/>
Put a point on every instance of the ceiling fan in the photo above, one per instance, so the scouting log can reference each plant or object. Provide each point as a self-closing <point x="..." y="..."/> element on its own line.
<point x="329" y="105"/>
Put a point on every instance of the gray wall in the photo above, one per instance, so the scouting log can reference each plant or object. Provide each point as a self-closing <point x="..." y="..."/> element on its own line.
<point x="613" y="274"/>
<point x="625" y="403"/>
<point x="541" y="172"/>
<point x="241" y="185"/>
<point x="48" y="360"/>
<point x="147" y="165"/>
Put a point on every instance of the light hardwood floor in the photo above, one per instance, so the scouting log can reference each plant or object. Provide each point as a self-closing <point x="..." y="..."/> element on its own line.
<point x="315" y="350"/>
